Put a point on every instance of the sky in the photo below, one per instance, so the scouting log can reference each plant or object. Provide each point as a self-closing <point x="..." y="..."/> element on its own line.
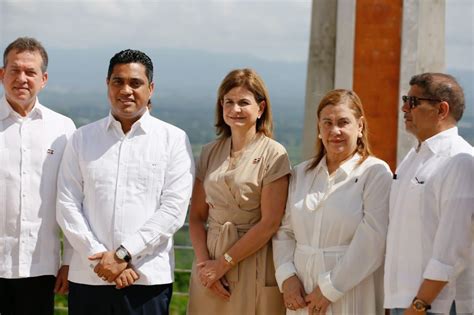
<point x="268" y="29"/>
<point x="271" y="30"/>
<point x="459" y="34"/>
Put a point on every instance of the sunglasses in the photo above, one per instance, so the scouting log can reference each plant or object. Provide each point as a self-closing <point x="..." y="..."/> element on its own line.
<point x="414" y="101"/>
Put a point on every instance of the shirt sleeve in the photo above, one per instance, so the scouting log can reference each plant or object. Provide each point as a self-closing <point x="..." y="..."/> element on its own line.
<point x="452" y="243"/>
<point x="67" y="248"/>
<point x="284" y="243"/>
<point x="69" y="212"/>
<point x="277" y="164"/>
<point x="174" y="200"/>
<point x="366" y="250"/>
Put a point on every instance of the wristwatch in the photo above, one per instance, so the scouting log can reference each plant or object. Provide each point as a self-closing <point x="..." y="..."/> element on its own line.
<point x="419" y="305"/>
<point x="123" y="254"/>
<point x="229" y="259"/>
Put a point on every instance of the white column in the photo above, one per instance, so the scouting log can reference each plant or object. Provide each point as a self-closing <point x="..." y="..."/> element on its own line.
<point x="321" y="66"/>
<point x="423" y="50"/>
<point x="331" y="59"/>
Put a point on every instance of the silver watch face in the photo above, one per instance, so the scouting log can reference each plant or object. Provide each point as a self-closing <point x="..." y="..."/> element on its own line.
<point x="121" y="253"/>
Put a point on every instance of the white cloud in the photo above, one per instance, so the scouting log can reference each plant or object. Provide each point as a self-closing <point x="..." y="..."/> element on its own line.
<point x="276" y="29"/>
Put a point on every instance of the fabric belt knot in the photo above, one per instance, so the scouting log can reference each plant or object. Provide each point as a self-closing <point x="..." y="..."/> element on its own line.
<point x="227" y="235"/>
<point x="315" y="260"/>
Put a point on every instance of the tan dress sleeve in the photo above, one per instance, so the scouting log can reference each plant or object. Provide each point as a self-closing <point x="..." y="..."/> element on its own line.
<point x="277" y="164"/>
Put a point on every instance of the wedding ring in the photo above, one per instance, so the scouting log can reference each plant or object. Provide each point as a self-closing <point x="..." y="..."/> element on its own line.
<point x="317" y="309"/>
<point x="289" y="305"/>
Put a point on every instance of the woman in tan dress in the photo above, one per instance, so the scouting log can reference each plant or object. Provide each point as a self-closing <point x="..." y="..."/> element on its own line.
<point x="240" y="194"/>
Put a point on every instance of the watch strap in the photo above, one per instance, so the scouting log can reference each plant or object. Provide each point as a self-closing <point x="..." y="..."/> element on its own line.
<point x="419" y="305"/>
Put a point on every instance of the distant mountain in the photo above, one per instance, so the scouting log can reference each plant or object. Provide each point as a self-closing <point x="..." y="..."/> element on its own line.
<point x="182" y="77"/>
<point x="186" y="81"/>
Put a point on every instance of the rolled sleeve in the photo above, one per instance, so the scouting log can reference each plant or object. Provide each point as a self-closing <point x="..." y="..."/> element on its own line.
<point x="452" y="241"/>
<point x="436" y="270"/>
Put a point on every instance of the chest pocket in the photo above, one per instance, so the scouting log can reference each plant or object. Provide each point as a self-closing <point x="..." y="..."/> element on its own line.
<point x="151" y="176"/>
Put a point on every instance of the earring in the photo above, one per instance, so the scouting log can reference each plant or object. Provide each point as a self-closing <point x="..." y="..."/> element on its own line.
<point x="258" y="117"/>
<point x="360" y="135"/>
<point x="319" y="136"/>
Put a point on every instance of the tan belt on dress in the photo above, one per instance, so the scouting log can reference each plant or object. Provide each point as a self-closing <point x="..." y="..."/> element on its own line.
<point x="227" y="234"/>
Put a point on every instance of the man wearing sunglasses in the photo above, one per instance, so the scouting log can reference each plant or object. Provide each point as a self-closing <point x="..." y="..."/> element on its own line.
<point x="429" y="265"/>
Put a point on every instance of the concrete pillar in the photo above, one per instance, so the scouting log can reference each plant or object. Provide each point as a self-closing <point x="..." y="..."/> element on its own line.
<point x="321" y="66"/>
<point x="423" y="50"/>
<point x="372" y="47"/>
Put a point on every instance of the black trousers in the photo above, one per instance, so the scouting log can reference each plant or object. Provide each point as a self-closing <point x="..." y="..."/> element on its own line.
<point x="107" y="300"/>
<point x="26" y="296"/>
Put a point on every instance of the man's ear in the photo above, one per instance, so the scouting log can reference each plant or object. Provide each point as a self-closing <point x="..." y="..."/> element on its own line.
<point x="45" y="79"/>
<point x="152" y="88"/>
<point x="443" y="111"/>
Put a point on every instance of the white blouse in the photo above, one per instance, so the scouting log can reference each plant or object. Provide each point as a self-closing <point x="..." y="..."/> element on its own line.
<point x="333" y="232"/>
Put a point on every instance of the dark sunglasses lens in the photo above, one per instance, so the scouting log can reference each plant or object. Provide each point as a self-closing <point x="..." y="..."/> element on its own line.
<point x="410" y="100"/>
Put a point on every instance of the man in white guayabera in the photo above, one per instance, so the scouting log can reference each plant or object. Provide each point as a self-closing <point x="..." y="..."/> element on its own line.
<point x="123" y="190"/>
<point x="32" y="141"/>
<point x="429" y="260"/>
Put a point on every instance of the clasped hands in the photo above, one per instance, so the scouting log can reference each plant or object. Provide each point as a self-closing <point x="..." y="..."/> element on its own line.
<point x="211" y="275"/>
<point x="114" y="270"/>
<point x="295" y="297"/>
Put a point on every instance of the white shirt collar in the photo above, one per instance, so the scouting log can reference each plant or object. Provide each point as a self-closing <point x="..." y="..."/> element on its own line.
<point x="143" y="123"/>
<point x="6" y="110"/>
<point x="347" y="167"/>
<point x="437" y="143"/>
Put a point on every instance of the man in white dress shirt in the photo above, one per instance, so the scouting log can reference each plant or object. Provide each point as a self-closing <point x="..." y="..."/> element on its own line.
<point x="32" y="141"/>
<point x="429" y="260"/>
<point x="123" y="190"/>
